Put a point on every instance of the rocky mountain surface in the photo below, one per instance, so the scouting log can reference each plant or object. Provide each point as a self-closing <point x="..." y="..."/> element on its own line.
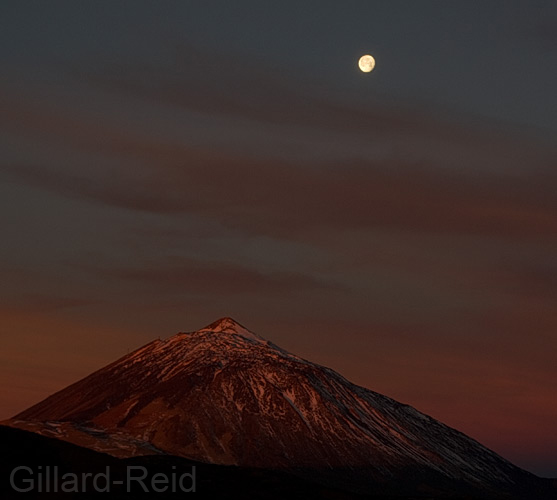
<point x="224" y="395"/>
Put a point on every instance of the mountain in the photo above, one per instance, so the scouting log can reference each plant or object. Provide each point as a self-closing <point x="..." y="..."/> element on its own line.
<point x="224" y="395"/>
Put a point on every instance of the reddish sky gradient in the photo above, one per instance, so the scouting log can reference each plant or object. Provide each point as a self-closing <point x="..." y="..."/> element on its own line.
<point x="161" y="169"/>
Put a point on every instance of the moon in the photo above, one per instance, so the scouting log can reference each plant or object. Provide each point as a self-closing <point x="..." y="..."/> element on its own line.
<point x="366" y="63"/>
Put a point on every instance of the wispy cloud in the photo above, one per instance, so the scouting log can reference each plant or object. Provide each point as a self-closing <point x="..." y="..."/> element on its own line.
<point x="196" y="277"/>
<point x="393" y="167"/>
<point x="287" y="199"/>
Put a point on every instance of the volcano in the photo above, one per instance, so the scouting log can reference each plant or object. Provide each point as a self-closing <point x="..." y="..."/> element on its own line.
<point x="224" y="395"/>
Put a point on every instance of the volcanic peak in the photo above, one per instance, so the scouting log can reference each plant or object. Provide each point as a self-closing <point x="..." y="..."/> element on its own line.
<point x="229" y="325"/>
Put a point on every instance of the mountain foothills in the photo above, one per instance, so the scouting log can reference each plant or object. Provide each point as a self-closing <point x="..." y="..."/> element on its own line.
<point x="225" y="396"/>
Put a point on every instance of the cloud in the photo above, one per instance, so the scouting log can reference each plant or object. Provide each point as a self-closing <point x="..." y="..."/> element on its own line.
<point x="194" y="277"/>
<point x="41" y="303"/>
<point x="290" y="200"/>
<point x="393" y="168"/>
<point x="253" y="90"/>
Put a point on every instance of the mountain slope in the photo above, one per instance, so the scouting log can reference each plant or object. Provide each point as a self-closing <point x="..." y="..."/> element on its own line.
<point x="225" y="395"/>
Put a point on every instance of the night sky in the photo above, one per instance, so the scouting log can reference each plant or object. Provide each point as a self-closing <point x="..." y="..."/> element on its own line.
<point x="165" y="164"/>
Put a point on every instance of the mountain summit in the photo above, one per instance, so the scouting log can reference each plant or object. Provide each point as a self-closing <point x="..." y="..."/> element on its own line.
<point x="229" y="325"/>
<point x="224" y="395"/>
<point x="225" y="324"/>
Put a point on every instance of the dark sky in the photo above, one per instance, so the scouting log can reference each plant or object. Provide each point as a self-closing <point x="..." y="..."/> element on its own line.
<point x="168" y="163"/>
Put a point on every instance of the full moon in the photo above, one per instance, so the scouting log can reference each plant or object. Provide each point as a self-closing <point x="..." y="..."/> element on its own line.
<point x="366" y="63"/>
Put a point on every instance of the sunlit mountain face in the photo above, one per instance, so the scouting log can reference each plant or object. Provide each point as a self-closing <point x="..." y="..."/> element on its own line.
<point x="225" y="395"/>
